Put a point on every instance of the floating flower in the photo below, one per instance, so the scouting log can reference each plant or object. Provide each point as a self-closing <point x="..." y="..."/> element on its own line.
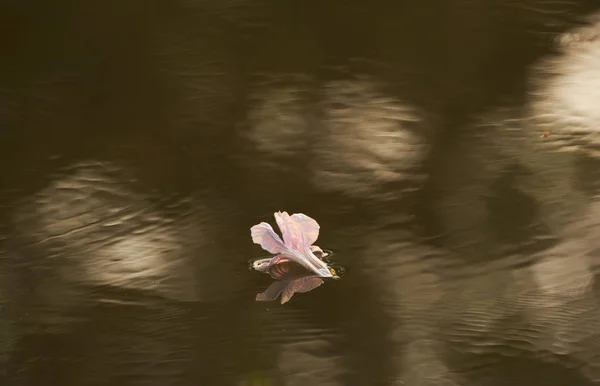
<point x="299" y="233"/>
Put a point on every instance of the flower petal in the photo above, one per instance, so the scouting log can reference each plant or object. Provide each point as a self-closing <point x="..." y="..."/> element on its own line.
<point x="266" y="237"/>
<point x="317" y="251"/>
<point x="263" y="265"/>
<point x="299" y="231"/>
<point x="274" y="261"/>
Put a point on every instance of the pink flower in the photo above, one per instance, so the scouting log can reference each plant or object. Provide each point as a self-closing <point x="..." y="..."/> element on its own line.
<point x="299" y="233"/>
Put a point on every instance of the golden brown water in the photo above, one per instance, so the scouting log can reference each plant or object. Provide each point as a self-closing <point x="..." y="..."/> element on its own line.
<point x="448" y="151"/>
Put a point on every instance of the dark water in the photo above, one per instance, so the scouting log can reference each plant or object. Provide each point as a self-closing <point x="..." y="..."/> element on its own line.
<point x="449" y="151"/>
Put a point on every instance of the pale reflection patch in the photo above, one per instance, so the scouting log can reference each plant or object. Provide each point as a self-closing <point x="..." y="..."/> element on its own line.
<point x="96" y="229"/>
<point x="561" y="133"/>
<point x="137" y="261"/>
<point x="544" y="310"/>
<point x="566" y="89"/>
<point x="370" y="138"/>
<point x="405" y="275"/>
<point x="281" y="120"/>
<point x="552" y="310"/>
<point x="545" y="284"/>
<point x="354" y="136"/>
<point x="563" y="278"/>
<point x="559" y="305"/>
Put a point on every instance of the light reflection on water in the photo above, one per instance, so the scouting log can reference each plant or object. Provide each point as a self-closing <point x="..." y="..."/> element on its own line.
<point x="134" y="167"/>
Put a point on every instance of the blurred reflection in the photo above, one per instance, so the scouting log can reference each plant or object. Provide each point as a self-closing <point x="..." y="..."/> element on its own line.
<point x="566" y="88"/>
<point x="98" y="230"/>
<point x="411" y="291"/>
<point x="356" y="138"/>
<point x="282" y="121"/>
<point x="519" y="184"/>
<point x="489" y="320"/>
<point x="445" y="310"/>
<point x="92" y="252"/>
<point x="538" y="263"/>
<point x="565" y="303"/>
<point x="370" y="139"/>
<point x="564" y="92"/>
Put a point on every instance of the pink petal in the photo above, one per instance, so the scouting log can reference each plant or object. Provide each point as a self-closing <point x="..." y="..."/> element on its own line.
<point x="275" y="260"/>
<point x="299" y="231"/>
<point x="266" y="264"/>
<point x="266" y="237"/>
<point x="314" y="249"/>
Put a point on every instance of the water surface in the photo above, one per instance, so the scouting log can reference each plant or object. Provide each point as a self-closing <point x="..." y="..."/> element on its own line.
<point x="448" y="151"/>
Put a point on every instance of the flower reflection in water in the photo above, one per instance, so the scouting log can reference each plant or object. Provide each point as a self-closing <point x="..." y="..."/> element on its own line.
<point x="290" y="277"/>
